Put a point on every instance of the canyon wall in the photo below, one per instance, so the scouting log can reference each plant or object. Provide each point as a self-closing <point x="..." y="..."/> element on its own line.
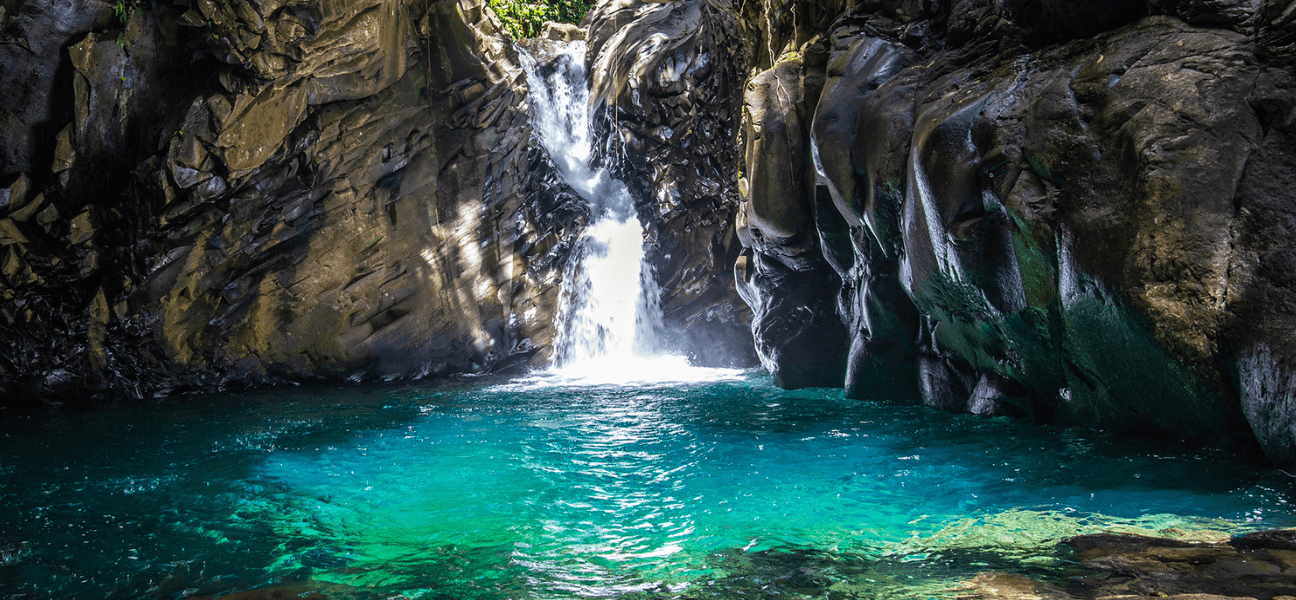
<point x="210" y="194"/>
<point x="1077" y="213"/>
<point x="204" y="195"/>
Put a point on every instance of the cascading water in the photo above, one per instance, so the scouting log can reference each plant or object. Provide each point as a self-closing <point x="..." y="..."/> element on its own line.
<point x="609" y="316"/>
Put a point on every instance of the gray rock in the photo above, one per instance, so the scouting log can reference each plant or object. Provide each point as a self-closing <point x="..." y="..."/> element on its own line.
<point x="667" y="76"/>
<point x="1080" y="232"/>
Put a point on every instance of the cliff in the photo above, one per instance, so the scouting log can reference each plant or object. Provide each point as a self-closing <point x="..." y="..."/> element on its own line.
<point x="201" y="195"/>
<point x="251" y="192"/>
<point x="1069" y="212"/>
<point x="1076" y="213"/>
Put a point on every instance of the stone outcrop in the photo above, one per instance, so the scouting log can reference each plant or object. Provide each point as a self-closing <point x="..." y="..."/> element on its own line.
<point x="1071" y="215"/>
<point x="214" y="194"/>
<point x="1110" y="566"/>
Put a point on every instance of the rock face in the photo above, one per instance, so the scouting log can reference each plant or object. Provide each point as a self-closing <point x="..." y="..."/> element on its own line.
<point x="662" y="75"/>
<point x="1073" y="216"/>
<point x="1059" y="211"/>
<point x="243" y="193"/>
<point x="1075" y="213"/>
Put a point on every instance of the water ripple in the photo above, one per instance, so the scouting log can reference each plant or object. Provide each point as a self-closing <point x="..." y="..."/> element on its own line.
<point x="489" y="491"/>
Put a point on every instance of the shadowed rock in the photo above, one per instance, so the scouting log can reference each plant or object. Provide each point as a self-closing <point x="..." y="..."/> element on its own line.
<point x="1059" y="229"/>
<point x="666" y="80"/>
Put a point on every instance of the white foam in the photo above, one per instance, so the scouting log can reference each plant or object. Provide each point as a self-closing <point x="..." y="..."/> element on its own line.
<point x="609" y="311"/>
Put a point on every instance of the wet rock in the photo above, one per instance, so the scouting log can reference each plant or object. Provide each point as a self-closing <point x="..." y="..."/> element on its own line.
<point x="982" y="201"/>
<point x="668" y="79"/>
<point x="789" y="283"/>
<point x="777" y="210"/>
<point x="342" y="198"/>
<point x="1118" y="565"/>
<point x="14" y="196"/>
<point x="34" y="34"/>
<point x="371" y="237"/>
<point x="1061" y="230"/>
<point x="561" y="32"/>
<point x="860" y="135"/>
<point x="800" y="339"/>
<point x="1112" y="566"/>
<point x="1007" y="586"/>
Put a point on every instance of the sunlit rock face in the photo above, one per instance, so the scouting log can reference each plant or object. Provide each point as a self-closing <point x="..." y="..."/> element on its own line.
<point x="375" y="223"/>
<point x="1071" y="215"/>
<point x="251" y="192"/>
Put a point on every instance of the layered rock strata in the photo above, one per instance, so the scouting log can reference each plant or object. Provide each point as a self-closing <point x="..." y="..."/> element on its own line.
<point x="251" y="192"/>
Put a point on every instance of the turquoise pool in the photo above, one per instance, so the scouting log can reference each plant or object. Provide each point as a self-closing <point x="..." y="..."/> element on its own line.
<point x="496" y="489"/>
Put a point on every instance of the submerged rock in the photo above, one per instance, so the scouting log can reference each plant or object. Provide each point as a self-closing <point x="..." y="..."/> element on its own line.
<point x="1122" y="566"/>
<point x="1008" y="586"/>
<point x="1252" y="566"/>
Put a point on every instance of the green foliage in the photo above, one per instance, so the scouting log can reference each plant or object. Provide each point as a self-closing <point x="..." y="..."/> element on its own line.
<point x="125" y="8"/>
<point x="524" y="19"/>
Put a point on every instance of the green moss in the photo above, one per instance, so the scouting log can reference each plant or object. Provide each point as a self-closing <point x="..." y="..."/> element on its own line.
<point x="524" y="19"/>
<point x="1039" y="167"/>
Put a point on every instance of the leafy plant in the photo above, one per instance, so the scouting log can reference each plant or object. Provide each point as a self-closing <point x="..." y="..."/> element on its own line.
<point x="524" y="19"/>
<point x="125" y="8"/>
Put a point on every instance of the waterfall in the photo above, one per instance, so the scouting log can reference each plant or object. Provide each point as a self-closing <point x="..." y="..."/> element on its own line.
<point x="609" y="312"/>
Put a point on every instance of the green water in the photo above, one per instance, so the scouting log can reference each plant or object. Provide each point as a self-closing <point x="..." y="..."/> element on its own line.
<point x="486" y="489"/>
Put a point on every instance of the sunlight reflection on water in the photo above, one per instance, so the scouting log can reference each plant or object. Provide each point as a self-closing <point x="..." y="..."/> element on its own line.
<point x="625" y="371"/>
<point x="494" y="490"/>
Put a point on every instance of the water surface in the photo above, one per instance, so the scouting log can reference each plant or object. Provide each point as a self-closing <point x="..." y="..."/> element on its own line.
<point x="493" y="489"/>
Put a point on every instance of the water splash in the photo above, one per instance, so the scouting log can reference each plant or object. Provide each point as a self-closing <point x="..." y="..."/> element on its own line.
<point x="609" y="311"/>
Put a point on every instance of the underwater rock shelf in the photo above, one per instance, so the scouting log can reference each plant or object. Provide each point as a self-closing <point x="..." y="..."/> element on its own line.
<point x="1127" y="567"/>
<point x="1255" y="566"/>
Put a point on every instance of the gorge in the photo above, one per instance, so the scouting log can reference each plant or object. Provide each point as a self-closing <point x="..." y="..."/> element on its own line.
<point x="381" y="274"/>
<point x="1070" y="213"/>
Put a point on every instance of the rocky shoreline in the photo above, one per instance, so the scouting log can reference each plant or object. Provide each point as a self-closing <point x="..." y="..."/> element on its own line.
<point x="1259" y="565"/>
